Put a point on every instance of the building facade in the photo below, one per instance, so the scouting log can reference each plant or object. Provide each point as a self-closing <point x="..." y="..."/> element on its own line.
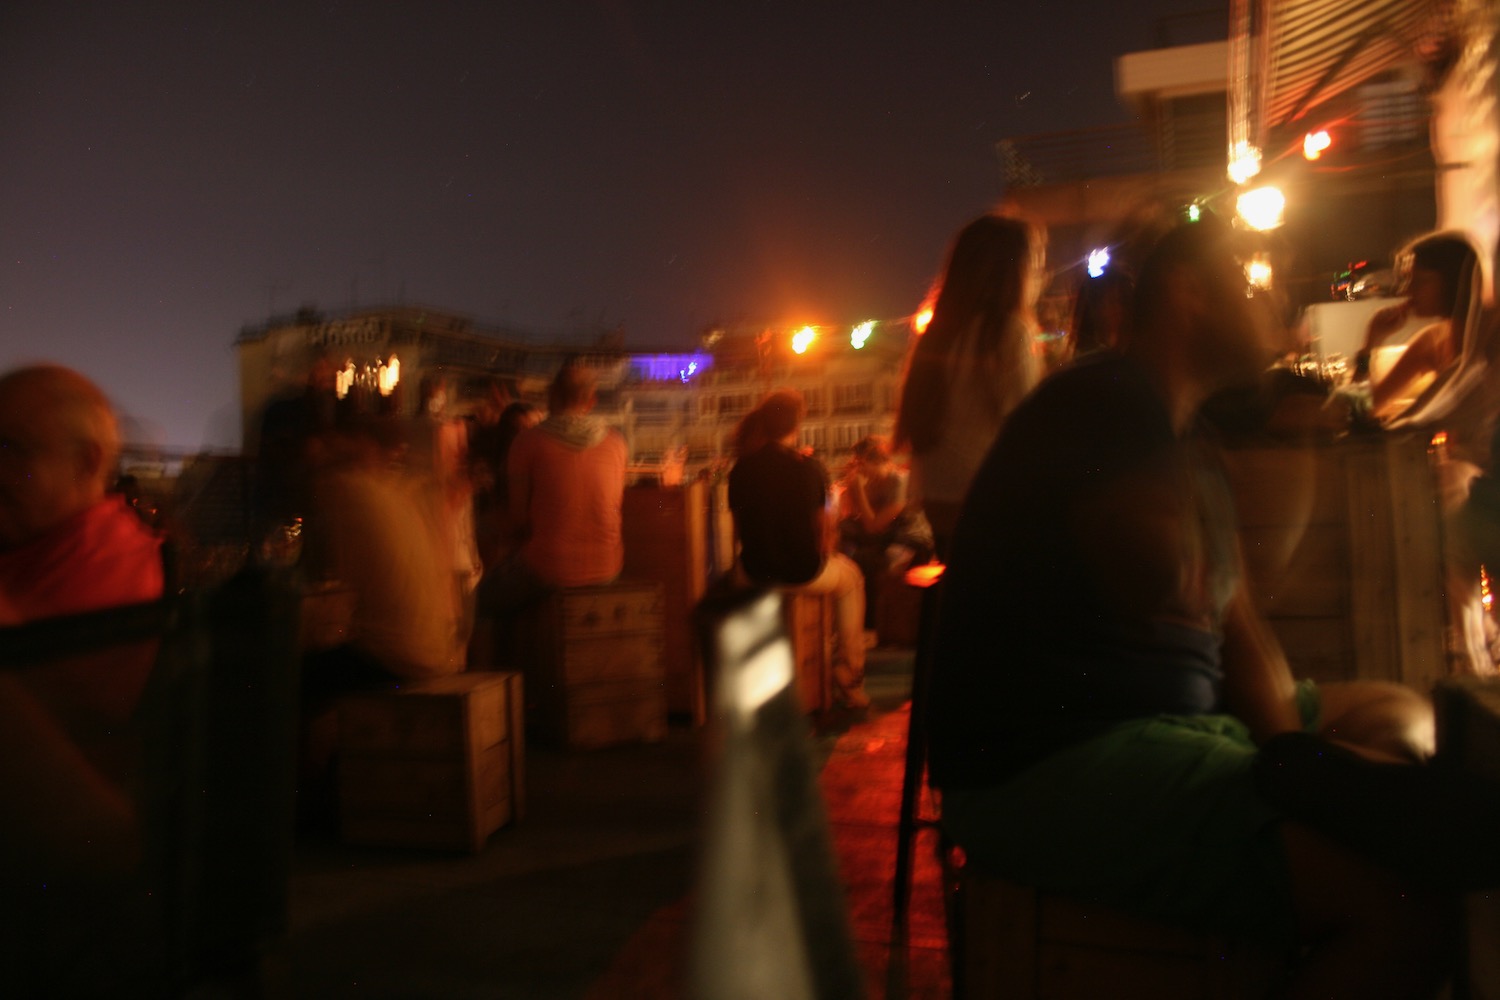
<point x="677" y="409"/>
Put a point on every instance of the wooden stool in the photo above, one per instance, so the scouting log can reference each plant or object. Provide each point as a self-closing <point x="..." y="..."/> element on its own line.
<point x="811" y="627"/>
<point x="595" y="676"/>
<point x="434" y="763"/>
<point x="1011" y="942"/>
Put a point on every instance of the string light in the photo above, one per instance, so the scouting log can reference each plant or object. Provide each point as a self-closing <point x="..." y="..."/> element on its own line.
<point x="1098" y="261"/>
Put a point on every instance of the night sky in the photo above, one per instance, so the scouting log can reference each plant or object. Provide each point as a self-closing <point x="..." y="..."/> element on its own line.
<point x="170" y="172"/>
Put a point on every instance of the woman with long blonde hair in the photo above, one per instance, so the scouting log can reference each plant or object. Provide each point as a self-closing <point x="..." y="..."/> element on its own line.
<point x="974" y="363"/>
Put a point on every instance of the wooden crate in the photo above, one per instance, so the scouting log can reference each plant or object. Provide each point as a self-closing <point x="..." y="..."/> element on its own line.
<point x="593" y="660"/>
<point x="1016" y="942"/>
<point x="1343" y="548"/>
<point x="666" y="537"/>
<point x="810" y="626"/>
<point x="435" y="763"/>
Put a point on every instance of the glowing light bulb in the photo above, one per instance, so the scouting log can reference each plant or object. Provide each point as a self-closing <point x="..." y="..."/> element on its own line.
<point x="1258" y="272"/>
<point x="1244" y="161"/>
<point x="1262" y="208"/>
<point x="860" y="335"/>
<point x="1098" y="261"/>
<point x="803" y="338"/>
<point x="1314" y="143"/>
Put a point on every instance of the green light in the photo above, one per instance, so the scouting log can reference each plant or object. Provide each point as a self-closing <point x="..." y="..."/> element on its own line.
<point x="1194" y="212"/>
<point x="860" y="335"/>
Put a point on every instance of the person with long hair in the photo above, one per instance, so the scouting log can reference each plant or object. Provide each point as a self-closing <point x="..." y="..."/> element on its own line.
<point x="1444" y="289"/>
<point x="974" y="363"/>
<point x="779" y="496"/>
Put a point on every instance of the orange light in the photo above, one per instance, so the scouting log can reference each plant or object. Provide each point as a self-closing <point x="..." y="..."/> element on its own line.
<point x="1314" y="143"/>
<point x="925" y="575"/>
<point x="1486" y="596"/>
<point x="922" y="320"/>
<point x="803" y="339"/>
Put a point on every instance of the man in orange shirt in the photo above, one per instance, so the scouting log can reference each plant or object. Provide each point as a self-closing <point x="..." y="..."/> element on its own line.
<point x="67" y="546"/>
<point x="567" y="484"/>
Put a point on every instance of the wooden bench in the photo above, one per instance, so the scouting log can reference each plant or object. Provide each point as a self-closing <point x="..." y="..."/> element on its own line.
<point x="435" y="763"/>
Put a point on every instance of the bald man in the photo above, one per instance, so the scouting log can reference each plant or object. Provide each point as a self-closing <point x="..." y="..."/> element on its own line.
<point x="72" y="844"/>
<point x="66" y="544"/>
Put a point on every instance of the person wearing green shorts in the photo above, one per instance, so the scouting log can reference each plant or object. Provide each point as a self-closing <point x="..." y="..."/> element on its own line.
<point x="1109" y="716"/>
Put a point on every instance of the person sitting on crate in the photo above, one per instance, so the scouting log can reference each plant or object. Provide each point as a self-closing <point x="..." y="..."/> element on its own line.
<point x="1111" y="719"/>
<point x="779" y="499"/>
<point x="377" y="528"/>
<point x="566" y="478"/>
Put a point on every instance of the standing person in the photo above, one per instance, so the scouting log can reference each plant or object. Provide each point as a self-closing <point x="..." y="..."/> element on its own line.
<point x="439" y="452"/>
<point x="489" y="454"/>
<point x="779" y="499"/>
<point x="973" y="365"/>
<point x="1110" y="717"/>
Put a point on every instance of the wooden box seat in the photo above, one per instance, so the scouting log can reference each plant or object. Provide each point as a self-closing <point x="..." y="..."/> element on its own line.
<point x="594" y="669"/>
<point x="435" y="763"/>
<point x="1012" y="942"/>
<point x="810" y="625"/>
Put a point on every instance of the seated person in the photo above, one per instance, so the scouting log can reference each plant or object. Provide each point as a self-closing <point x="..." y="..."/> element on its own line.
<point x="376" y="527"/>
<point x="67" y="545"/>
<point x="566" y="482"/>
<point x="1441" y="289"/>
<point x="778" y="497"/>
<point x="566" y="478"/>
<point x="1110" y="718"/>
<point x="877" y="528"/>
<point x="75" y="916"/>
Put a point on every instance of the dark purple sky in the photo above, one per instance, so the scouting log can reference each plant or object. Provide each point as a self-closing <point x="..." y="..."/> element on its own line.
<point x="170" y="172"/>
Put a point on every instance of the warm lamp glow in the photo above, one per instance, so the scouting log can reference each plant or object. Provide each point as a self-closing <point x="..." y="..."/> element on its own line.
<point x="1262" y="208"/>
<point x="1244" y="161"/>
<point x="389" y="376"/>
<point x="1258" y="272"/>
<point x="343" y="379"/>
<point x="925" y="575"/>
<point x="803" y="339"/>
<point x="922" y="320"/>
<point x="1314" y="143"/>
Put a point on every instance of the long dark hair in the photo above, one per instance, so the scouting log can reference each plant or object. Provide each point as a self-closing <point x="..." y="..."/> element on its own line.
<point x="985" y="280"/>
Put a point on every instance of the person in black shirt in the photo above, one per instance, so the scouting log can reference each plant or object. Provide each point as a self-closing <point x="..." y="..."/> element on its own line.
<point x="1110" y="718"/>
<point x="779" y="499"/>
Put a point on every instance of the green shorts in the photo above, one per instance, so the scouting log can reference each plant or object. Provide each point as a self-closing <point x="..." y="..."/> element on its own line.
<point x="1155" y="816"/>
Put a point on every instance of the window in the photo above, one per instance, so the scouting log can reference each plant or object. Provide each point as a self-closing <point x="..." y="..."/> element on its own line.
<point x="816" y="399"/>
<point x="852" y="397"/>
<point x="735" y="404"/>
